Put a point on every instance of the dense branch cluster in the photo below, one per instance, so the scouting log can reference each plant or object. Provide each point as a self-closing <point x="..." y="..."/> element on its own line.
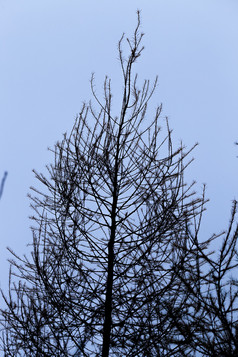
<point x="117" y="267"/>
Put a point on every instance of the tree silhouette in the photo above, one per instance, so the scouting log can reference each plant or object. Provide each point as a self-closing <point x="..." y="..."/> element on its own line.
<point x="117" y="268"/>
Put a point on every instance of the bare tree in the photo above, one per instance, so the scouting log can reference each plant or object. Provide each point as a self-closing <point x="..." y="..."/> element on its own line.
<point x="212" y="322"/>
<point x="116" y="266"/>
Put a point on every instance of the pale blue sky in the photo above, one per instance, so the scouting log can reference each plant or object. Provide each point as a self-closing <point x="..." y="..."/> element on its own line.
<point x="49" y="48"/>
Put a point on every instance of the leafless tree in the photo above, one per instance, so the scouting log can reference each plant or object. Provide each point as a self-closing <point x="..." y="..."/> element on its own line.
<point x="117" y="268"/>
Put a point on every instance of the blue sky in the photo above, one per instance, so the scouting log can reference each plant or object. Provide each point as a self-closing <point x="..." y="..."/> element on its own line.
<point x="49" y="49"/>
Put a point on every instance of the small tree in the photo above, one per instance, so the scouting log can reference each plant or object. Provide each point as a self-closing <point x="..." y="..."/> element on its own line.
<point x="116" y="266"/>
